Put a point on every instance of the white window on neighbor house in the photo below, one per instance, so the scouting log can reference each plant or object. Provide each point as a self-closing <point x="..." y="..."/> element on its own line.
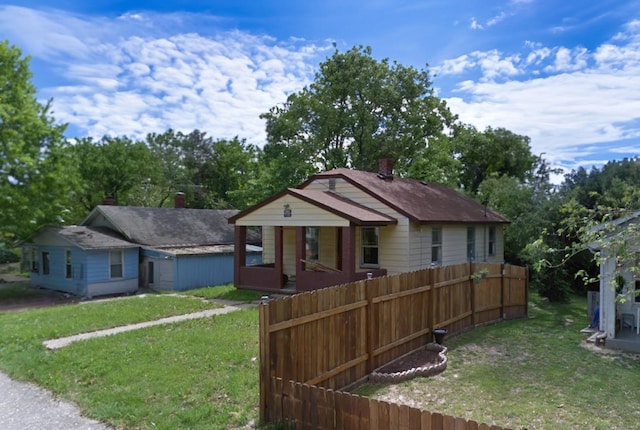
<point x="436" y="246"/>
<point x="115" y="263"/>
<point x="312" y="248"/>
<point x="471" y="243"/>
<point x="491" y="245"/>
<point x="68" y="273"/>
<point x="369" y="246"/>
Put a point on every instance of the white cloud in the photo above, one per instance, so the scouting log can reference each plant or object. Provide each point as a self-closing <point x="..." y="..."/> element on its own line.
<point x="121" y="82"/>
<point x="475" y="25"/>
<point x="586" y="102"/>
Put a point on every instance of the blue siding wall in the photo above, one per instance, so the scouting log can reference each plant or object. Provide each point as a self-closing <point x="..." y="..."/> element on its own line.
<point x="57" y="277"/>
<point x="98" y="269"/>
<point x="195" y="271"/>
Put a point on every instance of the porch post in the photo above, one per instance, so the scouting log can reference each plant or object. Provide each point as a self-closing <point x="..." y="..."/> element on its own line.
<point x="240" y="252"/>
<point x="278" y="263"/>
<point x="301" y="251"/>
<point x="349" y="250"/>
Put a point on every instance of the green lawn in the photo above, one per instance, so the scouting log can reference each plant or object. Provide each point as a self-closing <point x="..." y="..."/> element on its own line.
<point x="534" y="374"/>
<point x="203" y="374"/>
<point x="200" y="374"/>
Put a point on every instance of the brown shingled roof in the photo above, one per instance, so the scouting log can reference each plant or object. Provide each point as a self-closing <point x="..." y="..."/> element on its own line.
<point x="424" y="202"/>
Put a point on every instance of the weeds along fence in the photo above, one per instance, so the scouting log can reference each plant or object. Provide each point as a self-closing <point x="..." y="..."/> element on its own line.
<point x="325" y="340"/>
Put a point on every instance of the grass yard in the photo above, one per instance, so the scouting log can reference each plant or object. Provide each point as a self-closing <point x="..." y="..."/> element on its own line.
<point x="529" y="374"/>
<point x="203" y="374"/>
<point x="199" y="374"/>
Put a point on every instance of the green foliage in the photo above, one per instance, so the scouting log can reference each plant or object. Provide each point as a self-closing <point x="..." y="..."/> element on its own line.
<point x="111" y="167"/>
<point x="492" y="153"/>
<point x="34" y="188"/>
<point x="8" y="255"/>
<point x="356" y="111"/>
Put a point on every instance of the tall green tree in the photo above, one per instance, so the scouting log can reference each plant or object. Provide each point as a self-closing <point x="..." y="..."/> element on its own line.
<point x="356" y="111"/>
<point x="33" y="187"/>
<point x="111" y="167"/>
<point x="492" y="153"/>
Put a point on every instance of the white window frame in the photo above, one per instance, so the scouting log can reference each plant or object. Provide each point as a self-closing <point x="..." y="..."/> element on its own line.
<point x="114" y="264"/>
<point x="436" y="246"/>
<point x="471" y="243"/>
<point x="364" y="246"/>
<point x="491" y="241"/>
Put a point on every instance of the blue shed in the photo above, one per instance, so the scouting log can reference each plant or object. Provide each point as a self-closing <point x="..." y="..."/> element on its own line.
<point x="84" y="261"/>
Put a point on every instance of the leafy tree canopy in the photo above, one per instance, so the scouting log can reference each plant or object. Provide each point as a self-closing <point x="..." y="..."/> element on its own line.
<point x="33" y="187"/>
<point x="356" y="111"/>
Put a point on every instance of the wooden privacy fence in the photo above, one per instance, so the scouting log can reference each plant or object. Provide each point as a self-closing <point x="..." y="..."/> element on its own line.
<point x="334" y="337"/>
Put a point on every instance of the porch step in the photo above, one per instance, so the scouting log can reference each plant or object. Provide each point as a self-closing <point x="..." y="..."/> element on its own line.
<point x="597" y="338"/>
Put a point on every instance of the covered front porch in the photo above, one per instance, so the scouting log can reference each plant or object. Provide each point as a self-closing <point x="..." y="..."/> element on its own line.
<point x="298" y="263"/>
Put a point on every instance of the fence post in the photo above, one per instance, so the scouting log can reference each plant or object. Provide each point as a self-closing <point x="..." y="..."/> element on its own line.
<point x="472" y="293"/>
<point x="371" y="323"/>
<point x="264" y="360"/>
<point x="502" y="287"/>
<point x="433" y="298"/>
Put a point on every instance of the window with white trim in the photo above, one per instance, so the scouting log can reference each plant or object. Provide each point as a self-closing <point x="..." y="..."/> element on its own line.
<point x="471" y="243"/>
<point x="491" y="245"/>
<point x="369" y="246"/>
<point x="115" y="263"/>
<point x="436" y="246"/>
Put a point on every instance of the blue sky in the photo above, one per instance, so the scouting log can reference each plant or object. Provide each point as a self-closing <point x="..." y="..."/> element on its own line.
<point x="565" y="73"/>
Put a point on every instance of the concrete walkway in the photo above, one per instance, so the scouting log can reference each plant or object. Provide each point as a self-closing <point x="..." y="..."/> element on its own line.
<point x="225" y="309"/>
<point x="24" y="405"/>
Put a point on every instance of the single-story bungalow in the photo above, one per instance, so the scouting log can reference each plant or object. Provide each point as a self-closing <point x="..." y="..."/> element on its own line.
<point x="344" y="225"/>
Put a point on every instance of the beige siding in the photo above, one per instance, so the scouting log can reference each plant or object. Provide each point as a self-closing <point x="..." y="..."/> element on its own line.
<point x="268" y="245"/>
<point x="302" y="214"/>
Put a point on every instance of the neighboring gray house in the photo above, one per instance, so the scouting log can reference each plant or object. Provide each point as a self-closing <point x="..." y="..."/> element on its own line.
<point x="117" y="249"/>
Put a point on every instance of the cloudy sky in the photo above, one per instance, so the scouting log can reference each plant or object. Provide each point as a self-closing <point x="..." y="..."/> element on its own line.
<point x="565" y="73"/>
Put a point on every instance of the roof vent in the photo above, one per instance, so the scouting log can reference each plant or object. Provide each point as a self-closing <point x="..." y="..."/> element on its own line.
<point x="332" y="184"/>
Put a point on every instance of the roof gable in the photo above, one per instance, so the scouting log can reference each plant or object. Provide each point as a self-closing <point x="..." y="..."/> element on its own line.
<point x="85" y="237"/>
<point x="165" y="227"/>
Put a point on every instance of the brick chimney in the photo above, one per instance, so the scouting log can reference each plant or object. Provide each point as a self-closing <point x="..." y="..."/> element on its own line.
<point x="179" y="200"/>
<point x="109" y="201"/>
<point x="385" y="168"/>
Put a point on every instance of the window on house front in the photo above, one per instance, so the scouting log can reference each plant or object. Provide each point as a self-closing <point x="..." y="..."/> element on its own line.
<point x="67" y="259"/>
<point x="45" y="263"/>
<point x="34" y="260"/>
<point x="312" y="250"/>
<point x="369" y="246"/>
<point x="436" y="246"/>
<point x="492" y="242"/>
<point x="115" y="262"/>
<point x="471" y="243"/>
<point x="151" y="276"/>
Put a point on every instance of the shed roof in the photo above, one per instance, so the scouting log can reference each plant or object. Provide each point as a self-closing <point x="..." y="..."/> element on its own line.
<point x="167" y="226"/>
<point x="421" y="201"/>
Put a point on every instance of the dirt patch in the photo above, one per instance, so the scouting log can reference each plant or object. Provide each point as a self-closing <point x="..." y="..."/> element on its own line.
<point x="31" y="298"/>
<point x="421" y="358"/>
